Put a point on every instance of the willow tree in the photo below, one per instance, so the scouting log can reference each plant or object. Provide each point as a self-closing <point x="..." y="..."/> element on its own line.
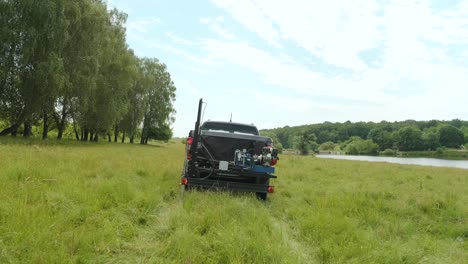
<point x="160" y="95"/>
<point x="137" y="104"/>
<point x="11" y="98"/>
<point x="87" y="22"/>
<point x="108" y="102"/>
<point x="69" y="60"/>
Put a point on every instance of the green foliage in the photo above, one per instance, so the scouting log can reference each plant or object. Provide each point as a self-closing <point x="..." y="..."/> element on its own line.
<point x="327" y="136"/>
<point x="381" y="137"/>
<point x="456" y="123"/>
<point x="279" y="147"/>
<point x="314" y="146"/>
<point x="440" y="151"/>
<point x="274" y="138"/>
<point x="465" y="133"/>
<point x="409" y="138"/>
<point x="163" y="133"/>
<point x="109" y="203"/>
<point x="327" y="146"/>
<point x="358" y="146"/>
<point x="303" y="142"/>
<point x="388" y="152"/>
<point x="451" y="137"/>
<point x="430" y="139"/>
<point x="3" y="124"/>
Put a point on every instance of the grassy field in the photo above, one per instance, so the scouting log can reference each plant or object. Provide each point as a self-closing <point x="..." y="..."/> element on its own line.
<point x="121" y="203"/>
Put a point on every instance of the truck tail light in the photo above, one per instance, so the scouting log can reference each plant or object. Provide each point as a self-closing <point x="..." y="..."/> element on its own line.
<point x="184" y="181"/>
<point x="271" y="189"/>
<point x="273" y="162"/>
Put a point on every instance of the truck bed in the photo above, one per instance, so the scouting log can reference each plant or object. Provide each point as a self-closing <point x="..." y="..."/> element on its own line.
<point x="222" y="145"/>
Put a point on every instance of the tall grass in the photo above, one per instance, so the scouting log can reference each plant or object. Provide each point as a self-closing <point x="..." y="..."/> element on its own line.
<point x="121" y="203"/>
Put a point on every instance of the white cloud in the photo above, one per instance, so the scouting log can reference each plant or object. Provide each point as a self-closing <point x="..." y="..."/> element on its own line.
<point x="186" y="87"/>
<point x="333" y="30"/>
<point x="178" y="40"/>
<point x="281" y="71"/>
<point x="143" y="25"/>
<point x="222" y="31"/>
<point x="215" y="26"/>
<point x="338" y="31"/>
<point x="251" y="16"/>
<point x="202" y="61"/>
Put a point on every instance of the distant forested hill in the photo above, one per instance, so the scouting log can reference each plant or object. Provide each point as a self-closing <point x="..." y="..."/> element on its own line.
<point x="409" y="135"/>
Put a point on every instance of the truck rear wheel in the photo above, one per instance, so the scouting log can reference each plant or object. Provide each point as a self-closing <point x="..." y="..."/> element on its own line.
<point x="262" y="196"/>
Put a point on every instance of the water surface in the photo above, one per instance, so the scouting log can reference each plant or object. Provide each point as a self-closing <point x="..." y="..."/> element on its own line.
<point x="463" y="164"/>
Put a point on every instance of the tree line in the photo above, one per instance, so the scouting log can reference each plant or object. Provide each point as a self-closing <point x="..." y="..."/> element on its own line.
<point x="371" y="137"/>
<point x="66" y="64"/>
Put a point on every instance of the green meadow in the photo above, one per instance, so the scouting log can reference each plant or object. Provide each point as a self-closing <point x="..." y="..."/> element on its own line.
<point x="122" y="203"/>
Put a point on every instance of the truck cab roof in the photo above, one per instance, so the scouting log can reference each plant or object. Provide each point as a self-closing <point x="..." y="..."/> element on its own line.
<point x="229" y="127"/>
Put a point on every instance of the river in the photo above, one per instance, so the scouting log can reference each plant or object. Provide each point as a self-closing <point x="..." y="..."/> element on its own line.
<point x="463" y="164"/>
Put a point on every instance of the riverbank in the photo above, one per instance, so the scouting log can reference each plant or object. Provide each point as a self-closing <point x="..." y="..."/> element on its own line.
<point x="450" y="154"/>
<point x="433" y="162"/>
<point x="447" y="154"/>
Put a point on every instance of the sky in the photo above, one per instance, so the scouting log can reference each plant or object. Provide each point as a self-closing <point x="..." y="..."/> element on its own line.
<point x="275" y="63"/>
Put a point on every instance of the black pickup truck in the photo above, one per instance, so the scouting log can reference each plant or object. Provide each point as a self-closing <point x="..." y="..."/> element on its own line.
<point x="227" y="155"/>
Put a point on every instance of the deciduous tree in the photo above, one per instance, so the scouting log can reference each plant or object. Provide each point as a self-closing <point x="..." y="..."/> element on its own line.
<point x="451" y="137"/>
